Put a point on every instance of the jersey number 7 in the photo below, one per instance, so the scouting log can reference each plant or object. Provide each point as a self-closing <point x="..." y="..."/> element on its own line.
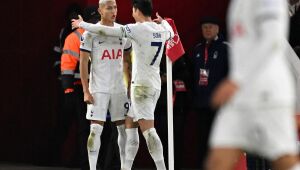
<point x="156" y="44"/>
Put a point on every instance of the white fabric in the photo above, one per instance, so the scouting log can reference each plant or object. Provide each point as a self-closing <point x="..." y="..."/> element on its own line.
<point x="106" y="61"/>
<point x="258" y="29"/>
<point x="265" y="129"/>
<point x="296" y="167"/>
<point x="94" y="144"/>
<point x="114" y="103"/>
<point x="148" y="40"/>
<point x="254" y="43"/>
<point x="155" y="148"/>
<point x="260" y="116"/>
<point x="121" y="143"/>
<point x="143" y="104"/>
<point x="132" y="146"/>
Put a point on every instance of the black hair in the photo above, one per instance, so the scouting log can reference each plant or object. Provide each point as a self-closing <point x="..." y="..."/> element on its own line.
<point x="73" y="11"/>
<point x="145" y="6"/>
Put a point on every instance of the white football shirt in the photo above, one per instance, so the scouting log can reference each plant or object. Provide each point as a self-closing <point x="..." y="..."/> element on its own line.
<point x="106" y="73"/>
<point x="258" y="29"/>
<point x="148" y="40"/>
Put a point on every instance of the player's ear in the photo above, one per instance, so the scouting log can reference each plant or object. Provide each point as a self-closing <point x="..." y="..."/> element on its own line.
<point x="138" y="11"/>
<point x="99" y="10"/>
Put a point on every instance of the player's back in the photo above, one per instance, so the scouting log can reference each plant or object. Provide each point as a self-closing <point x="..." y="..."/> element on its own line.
<point x="148" y="40"/>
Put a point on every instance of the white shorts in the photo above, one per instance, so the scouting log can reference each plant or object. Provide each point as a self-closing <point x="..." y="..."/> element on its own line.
<point x="268" y="132"/>
<point x="116" y="104"/>
<point x="143" y="102"/>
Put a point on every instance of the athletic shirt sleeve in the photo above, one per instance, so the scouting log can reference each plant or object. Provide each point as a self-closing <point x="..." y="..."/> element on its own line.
<point x="86" y="42"/>
<point x="130" y="31"/>
<point x="168" y="28"/>
<point x="128" y="45"/>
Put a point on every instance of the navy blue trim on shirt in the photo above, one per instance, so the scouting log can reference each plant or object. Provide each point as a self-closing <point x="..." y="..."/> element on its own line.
<point x="85" y="50"/>
<point x="128" y="49"/>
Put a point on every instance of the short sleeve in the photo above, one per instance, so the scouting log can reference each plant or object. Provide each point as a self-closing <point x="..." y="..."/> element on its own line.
<point x="128" y="45"/>
<point x="130" y="31"/>
<point x="86" y="42"/>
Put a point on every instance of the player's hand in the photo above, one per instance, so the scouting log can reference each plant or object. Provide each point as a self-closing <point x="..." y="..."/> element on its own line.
<point x="75" y="22"/>
<point x="223" y="93"/>
<point x="159" y="19"/>
<point x="88" y="98"/>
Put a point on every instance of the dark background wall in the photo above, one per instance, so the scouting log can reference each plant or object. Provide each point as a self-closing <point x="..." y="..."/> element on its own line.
<point x="29" y="104"/>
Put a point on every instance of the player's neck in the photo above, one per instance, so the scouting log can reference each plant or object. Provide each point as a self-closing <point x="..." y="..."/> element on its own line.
<point x="145" y="19"/>
<point x="107" y="23"/>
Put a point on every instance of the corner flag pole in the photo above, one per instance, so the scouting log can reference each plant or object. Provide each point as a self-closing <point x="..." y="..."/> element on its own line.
<point x="174" y="51"/>
<point x="170" y="114"/>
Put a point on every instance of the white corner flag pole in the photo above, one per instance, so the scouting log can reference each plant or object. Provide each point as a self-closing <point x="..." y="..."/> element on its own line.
<point x="170" y="113"/>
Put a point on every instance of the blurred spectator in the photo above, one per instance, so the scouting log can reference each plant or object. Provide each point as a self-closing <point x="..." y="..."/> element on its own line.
<point x="74" y="106"/>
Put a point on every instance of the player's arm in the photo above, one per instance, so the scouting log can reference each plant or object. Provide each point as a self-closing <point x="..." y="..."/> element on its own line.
<point x="165" y="24"/>
<point x="168" y="27"/>
<point x="84" y="75"/>
<point x="127" y="69"/>
<point x="269" y="41"/>
<point x="85" y="49"/>
<point x="84" y="64"/>
<point x="98" y="29"/>
<point x="127" y="64"/>
<point x="102" y="29"/>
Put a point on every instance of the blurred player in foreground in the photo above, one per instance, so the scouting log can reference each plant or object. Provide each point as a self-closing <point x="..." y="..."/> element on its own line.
<point x="257" y="98"/>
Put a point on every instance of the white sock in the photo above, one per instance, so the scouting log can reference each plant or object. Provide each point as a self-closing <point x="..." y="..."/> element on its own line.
<point x="155" y="148"/>
<point x="121" y="143"/>
<point x="131" y="147"/>
<point x="296" y="167"/>
<point x="93" y="144"/>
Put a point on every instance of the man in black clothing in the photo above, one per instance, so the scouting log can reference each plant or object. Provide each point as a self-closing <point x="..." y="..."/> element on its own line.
<point x="210" y="66"/>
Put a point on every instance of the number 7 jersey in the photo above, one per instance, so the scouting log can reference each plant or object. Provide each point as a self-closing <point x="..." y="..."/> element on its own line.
<point x="148" y="40"/>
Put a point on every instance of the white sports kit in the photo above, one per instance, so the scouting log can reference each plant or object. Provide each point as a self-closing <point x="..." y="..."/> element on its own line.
<point x="148" y="40"/>
<point x="106" y="76"/>
<point x="260" y="116"/>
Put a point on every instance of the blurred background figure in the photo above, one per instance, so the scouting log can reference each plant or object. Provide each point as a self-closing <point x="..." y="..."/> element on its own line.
<point x="74" y="108"/>
<point x="210" y="67"/>
<point x="257" y="99"/>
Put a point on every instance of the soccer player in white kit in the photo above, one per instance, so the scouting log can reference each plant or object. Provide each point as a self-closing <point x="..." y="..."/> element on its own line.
<point x="106" y="89"/>
<point x="257" y="98"/>
<point x="148" y="39"/>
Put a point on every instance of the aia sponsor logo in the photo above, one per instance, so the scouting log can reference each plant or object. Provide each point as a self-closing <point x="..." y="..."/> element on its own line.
<point x="111" y="54"/>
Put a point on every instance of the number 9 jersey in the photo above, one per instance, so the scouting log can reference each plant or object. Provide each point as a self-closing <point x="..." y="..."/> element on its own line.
<point x="106" y="74"/>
